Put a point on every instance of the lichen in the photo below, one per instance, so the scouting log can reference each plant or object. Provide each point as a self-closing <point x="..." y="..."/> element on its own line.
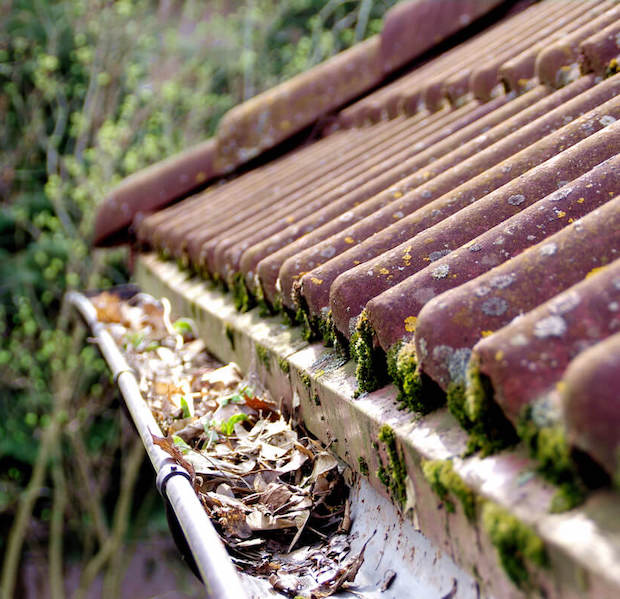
<point x="229" y="331"/>
<point x="262" y="354"/>
<point x="445" y="482"/>
<point x="242" y="298"/>
<point x="393" y="474"/>
<point x="363" y="466"/>
<point x="371" y="370"/>
<point x="547" y="445"/>
<point x="517" y="545"/>
<point x="612" y="68"/>
<point x="416" y="391"/>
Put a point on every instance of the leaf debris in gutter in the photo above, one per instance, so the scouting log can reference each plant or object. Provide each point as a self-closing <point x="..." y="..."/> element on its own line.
<point x="275" y="495"/>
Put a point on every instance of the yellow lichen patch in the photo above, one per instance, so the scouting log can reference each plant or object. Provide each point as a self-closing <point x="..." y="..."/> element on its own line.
<point x="201" y="176"/>
<point x="571" y="220"/>
<point x="397" y="194"/>
<point x="486" y="333"/>
<point x="595" y="271"/>
<point x="356" y="262"/>
<point x="560" y="386"/>
<point x="499" y="355"/>
<point x="348" y="239"/>
<point x="384" y="271"/>
<point x="581" y="200"/>
<point x="561" y="214"/>
<point x="317" y="281"/>
<point x="410" y="323"/>
<point x="290" y="219"/>
<point x="285" y="125"/>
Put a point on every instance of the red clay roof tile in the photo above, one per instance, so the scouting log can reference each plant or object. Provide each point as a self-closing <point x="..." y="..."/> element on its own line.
<point x="422" y="202"/>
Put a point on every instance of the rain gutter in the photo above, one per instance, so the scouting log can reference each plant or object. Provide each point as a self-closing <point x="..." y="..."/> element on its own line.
<point x="174" y="483"/>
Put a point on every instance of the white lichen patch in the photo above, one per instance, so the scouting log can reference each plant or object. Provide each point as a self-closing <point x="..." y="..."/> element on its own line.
<point x="607" y="120"/>
<point x="346" y="217"/>
<point x="551" y="326"/>
<point x="434" y="256"/>
<point x="502" y="281"/>
<point x="441" y="272"/>
<point x="455" y="361"/>
<point x="518" y="340"/>
<point x="549" y="249"/>
<point x="328" y="252"/>
<point x="494" y="306"/>
<point x="482" y="290"/>
<point x="565" y="302"/>
<point x="516" y="199"/>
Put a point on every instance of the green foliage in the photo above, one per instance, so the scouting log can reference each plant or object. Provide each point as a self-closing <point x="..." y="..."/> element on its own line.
<point x="91" y="92"/>
<point x="228" y="426"/>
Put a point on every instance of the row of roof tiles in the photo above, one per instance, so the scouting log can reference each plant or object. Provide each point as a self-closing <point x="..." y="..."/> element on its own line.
<point x="273" y="116"/>
<point x="475" y="238"/>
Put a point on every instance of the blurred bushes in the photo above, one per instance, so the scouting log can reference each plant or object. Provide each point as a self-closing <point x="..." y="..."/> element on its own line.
<point x="91" y="91"/>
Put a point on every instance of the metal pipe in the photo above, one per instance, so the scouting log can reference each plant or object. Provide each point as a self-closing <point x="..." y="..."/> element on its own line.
<point x="216" y="569"/>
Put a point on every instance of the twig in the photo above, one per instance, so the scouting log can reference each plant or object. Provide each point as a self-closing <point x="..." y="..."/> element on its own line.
<point x="59" y="504"/>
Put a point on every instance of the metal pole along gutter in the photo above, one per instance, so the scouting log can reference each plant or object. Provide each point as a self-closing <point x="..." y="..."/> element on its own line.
<point x="216" y="569"/>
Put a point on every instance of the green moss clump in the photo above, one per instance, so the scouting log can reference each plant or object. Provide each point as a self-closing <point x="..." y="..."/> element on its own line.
<point x="316" y="399"/>
<point x="445" y="482"/>
<point x="264" y="308"/>
<point x="472" y="405"/>
<point x="371" y="370"/>
<point x="548" y="446"/>
<point x="230" y="335"/>
<point x="516" y="543"/>
<point x="262" y="353"/>
<point x="416" y="392"/>
<point x="394" y="474"/>
<point x="285" y="367"/>
<point x="163" y="254"/>
<point x="305" y="379"/>
<point x="242" y="298"/>
<point x="309" y="329"/>
<point x="363" y="466"/>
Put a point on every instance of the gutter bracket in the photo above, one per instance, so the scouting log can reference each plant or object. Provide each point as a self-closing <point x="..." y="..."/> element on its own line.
<point x="167" y="470"/>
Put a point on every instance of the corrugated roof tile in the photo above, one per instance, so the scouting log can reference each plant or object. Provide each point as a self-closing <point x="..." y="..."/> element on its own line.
<point x="421" y="205"/>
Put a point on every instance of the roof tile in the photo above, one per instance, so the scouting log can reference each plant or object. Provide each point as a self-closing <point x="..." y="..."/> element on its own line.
<point x="421" y="205"/>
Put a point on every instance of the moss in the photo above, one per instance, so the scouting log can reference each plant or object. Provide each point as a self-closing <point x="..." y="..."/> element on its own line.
<point x="163" y="254"/>
<point x="393" y="475"/>
<point x="416" y="391"/>
<point x="284" y="365"/>
<point x="547" y="445"/>
<point x="229" y="331"/>
<point x="473" y="406"/>
<point x="371" y="370"/>
<point x="242" y="298"/>
<point x="316" y="399"/>
<point x="446" y="483"/>
<point x="363" y="466"/>
<point x="308" y="328"/>
<point x="517" y="544"/>
<point x="305" y="379"/>
<point x="264" y="307"/>
<point x="262" y="353"/>
<point x="332" y="337"/>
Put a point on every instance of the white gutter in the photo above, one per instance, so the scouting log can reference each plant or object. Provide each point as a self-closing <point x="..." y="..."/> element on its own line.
<point x="217" y="571"/>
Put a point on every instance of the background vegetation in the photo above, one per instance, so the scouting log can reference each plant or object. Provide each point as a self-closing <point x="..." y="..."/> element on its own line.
<point x="91" y="91"/>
